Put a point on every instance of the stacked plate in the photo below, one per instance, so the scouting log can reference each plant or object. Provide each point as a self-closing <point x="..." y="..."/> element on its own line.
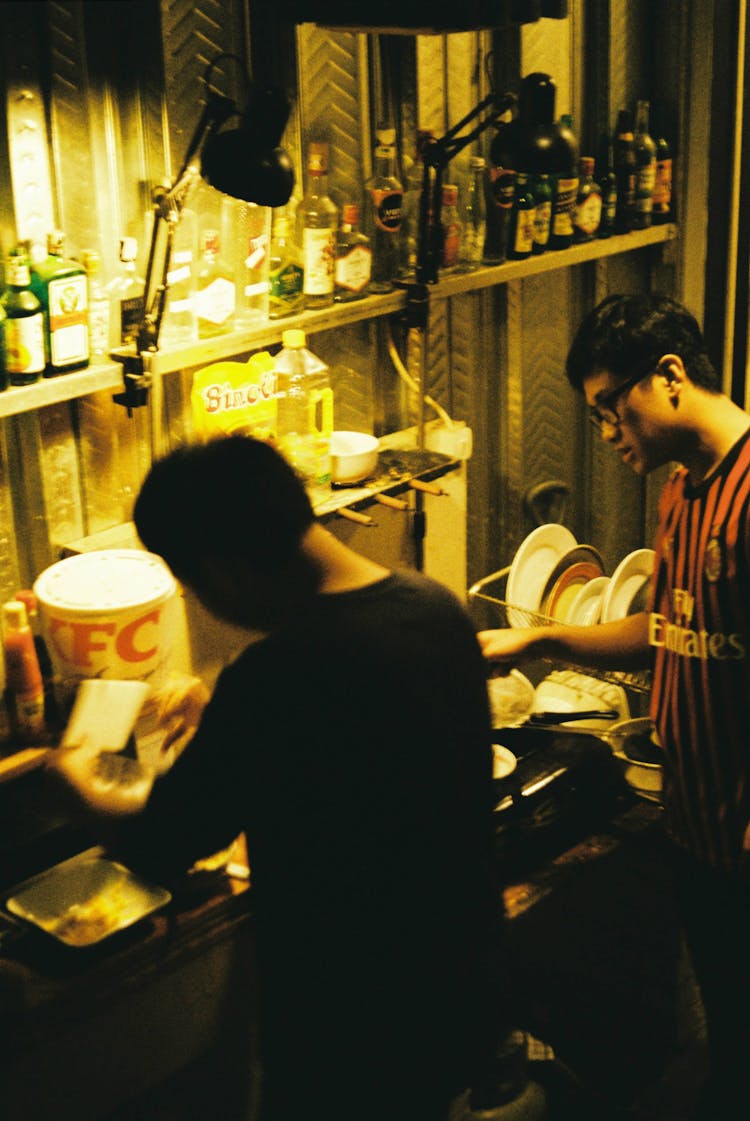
<point x="554" y="576"/>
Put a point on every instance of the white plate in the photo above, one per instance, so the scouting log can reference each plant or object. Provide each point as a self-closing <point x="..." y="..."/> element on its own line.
<point x="504" y="761"/>
<point x="626" y="581"/>
<point x="532" y="566"/>
<point x="586" y="608"/>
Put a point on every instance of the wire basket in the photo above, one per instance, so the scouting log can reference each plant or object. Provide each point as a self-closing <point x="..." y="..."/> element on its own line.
<point x="491" y="589"/>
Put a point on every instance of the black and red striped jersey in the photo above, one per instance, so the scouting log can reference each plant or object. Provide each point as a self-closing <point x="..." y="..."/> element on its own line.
<point x="700" y="631"/>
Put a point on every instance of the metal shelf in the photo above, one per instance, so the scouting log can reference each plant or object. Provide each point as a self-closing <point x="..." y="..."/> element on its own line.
<point x="108" y="376"/>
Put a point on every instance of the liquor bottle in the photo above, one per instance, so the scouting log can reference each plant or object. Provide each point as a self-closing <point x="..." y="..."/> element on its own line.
<point x="607" y="181"/>
<point x="25" y="357"/>
<point x="98" y="307"/>
<point x="125" y="293"/>
<point x="317" y="220"/>
<point x="625" y="171"/>
<point x="413" y="185"/>
<point x="384" y="206"/>
<point x="500" y="189"/>
<point x="216" y="292"/>
<point x="450" y="221"/>
<point x="285" y="273"/>
<point x="541" y="188"/>
<point x="521" y="235"/>
<point x="588" y="212"/>
<point x="179" y="326"/>
<point x="564" y="155"/>
<point x="304" y="419"/>
<point x="662" y="199"/>
<point x="3" y="365"/>
<point x="353" y="257"/>
<point x="61" y="287"/>
<point x="252" y="237"/>
<point x="645" y="160"/>
<point x="473" y="217"/>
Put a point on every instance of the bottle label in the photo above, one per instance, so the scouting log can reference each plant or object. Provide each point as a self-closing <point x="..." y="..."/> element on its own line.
<point x="589" y="214"/>
<point x="503" y="186"/>
<point x="318" y="258"/>
<point x="24" y="345"/>
<point x="451" y="244"/>
<point x="646" y="179"/>
<point x="524" y="238"/>
<point x="542" y="220"/>
<point x="663" y="187"/>
<point x="285" y="284"/>
<point x="68" y="320"/>
<point x="216" y="302"/>
<point x="353" y="269"/>
<point x="131" y="314"/>
<point x="565" y="200"/>
<point x="387" y="209"/>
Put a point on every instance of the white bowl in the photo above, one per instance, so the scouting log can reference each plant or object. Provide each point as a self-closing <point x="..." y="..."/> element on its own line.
<point x="354" y="456"/>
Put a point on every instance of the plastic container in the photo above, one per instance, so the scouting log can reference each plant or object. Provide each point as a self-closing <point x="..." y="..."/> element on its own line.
<point x="304" y="419"/>
<point x="110" y="613"/>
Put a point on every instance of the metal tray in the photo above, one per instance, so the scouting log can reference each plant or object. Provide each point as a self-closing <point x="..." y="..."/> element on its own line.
<point x="86" y="899"/>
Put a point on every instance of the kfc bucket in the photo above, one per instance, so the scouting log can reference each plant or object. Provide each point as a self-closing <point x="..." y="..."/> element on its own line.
<point x="108" y="613"/>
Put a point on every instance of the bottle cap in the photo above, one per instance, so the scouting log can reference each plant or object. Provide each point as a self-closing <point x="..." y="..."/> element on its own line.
<point x="587" y="165"/>
<point x="450" y="194"/>
<point x="350" y="214"/>
<point x="128" y="248"/>
<point x="55" y="242"/>
<point x="293" y="338"/>
<point x="477" y="163"/>
<point x="386" y="137"/>
<point x="14" y="615"/>
<point x="91" y="260"/>
<point x="317" y="157"/>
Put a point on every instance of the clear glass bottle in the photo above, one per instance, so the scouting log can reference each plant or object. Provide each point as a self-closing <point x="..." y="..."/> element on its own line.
<point x="252" y="239"/>
<point x="125" y="293"/>
<point x="61" y="287"/>
<point x="385" y="197"/>
<point x="353" y="257"/>
<point x="473" y="217"/>
<point x="285" y="273"/>
<point x="98" y="307"/>
<point x="25" y="356"/>
<point x="625" y="171"/>
<point x="413" y="184"/>
<point x="588" y="212"/>
<point x="645" y="162"/>
<point x="317" y="222"/>
<point x="179" y="325"/>
<point x="450" y="220"/>
<point x="304" y="418"/>
<point x="216" y="291"/>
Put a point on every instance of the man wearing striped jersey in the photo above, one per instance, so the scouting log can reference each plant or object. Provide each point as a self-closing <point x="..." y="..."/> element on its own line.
<point x="656" y="399"/>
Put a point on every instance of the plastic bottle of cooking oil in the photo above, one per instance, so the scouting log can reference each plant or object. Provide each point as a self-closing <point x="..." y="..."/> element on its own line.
<point x="305" y="409"/>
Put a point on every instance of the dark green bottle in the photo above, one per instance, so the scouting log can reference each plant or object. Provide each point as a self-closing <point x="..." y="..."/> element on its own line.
<point x="565" y="156"/>
<point x="607" y="180"/>
<point x="24" y="324"/>
<point x="521" y="233"/>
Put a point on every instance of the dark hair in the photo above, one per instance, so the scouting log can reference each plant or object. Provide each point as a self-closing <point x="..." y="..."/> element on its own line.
<point x="233" y="497"/>
<point x="625" y="332"/>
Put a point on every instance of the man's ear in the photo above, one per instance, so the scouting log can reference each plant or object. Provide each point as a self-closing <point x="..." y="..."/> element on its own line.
<point x="672" y="369"/>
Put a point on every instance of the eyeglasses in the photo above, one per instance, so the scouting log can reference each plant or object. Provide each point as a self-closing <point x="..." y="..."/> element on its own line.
<point x="604" y="411"/>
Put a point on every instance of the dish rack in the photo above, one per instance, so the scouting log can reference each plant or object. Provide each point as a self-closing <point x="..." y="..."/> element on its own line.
<point x="492" y="589"/>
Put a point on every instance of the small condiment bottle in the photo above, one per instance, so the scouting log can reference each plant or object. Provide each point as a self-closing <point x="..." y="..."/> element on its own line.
<point x="588" y="211"/>
<point x="23" y="677"/>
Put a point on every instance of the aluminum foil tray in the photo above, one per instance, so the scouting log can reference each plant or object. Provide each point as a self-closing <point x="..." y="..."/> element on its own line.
<point x="85" y="899"/>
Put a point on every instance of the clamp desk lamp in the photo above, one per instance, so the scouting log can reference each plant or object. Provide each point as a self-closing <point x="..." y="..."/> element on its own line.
<point x="245" y="162"/>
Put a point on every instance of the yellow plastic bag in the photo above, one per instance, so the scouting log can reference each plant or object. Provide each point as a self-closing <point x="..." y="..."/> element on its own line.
<point x="236" y="397"/>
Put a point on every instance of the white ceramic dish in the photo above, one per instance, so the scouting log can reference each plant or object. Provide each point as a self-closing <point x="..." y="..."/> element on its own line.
<point x="532" y="566"/>
<point x="586" y="608"/>
<point x="354" y="457"/>
<point x="568" y="691"/>
<point x="511" y="699"/>
<point x="645" y="777"/>
<point x="626" y="582"/>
